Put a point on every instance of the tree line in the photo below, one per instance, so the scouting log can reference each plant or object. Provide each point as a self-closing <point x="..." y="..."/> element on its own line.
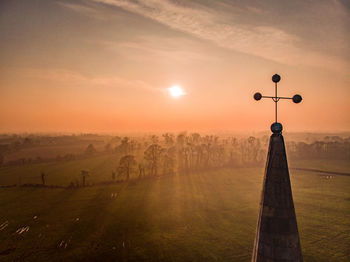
<point x="170" y="153"/>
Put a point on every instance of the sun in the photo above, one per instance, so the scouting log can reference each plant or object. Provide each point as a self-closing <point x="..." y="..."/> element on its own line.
<point x="176" y="91"/>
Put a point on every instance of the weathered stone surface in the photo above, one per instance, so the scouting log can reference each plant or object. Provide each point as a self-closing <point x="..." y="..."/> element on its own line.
<point x="277" y="237"/>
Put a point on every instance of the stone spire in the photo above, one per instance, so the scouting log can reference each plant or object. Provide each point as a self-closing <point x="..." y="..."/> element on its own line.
<point x="277" y="237"/>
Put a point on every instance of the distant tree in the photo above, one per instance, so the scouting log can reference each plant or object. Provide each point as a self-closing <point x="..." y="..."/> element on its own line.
<point x="132" y="146"/>
<point x="108" y="147"/>
<point x="254" y="148"/>
<point x="84" y="174"/>
<point x="154" y="139"/>
<point x="169" y="161"/>
<point x="186" y="154"/>
<point x="199" y="156"/>
<point x="152" y="157"/>
<point x="168" y="139"/>
<point x="90" y="150"/>
<point x="28" y="141"/>
<point x="141" y="171"/>
<point x="113" y="175"/>
<point x="195" y="138"/>
<point x="207" y="150"/>
<point x="127" y="165"/>
<point x="138" y="146"/>
<point x="115" y="139"/>
<point x="180" y="139"/>
<point x="124" y="147"/>
<point x="337" y="139"/>
<point x="69" y="157"/>
<point x="43" y="178"/>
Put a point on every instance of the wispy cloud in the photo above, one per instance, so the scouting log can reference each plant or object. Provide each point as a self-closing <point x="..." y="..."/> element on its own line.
<point x="72" y="78"/>
<point x="149" y="48"/>
<point x="83" y="9"/>
<point x="266" y="41"/>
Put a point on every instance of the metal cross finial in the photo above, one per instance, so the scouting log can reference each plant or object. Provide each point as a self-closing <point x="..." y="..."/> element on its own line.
<point x="277" y="127"/>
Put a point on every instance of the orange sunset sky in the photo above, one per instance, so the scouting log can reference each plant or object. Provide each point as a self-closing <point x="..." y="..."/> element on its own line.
<point x="106" y="65"/>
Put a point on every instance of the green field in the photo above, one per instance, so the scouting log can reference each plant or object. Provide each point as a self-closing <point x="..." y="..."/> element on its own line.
<point x="61" y="173"/>
<point x="203" y="216"/>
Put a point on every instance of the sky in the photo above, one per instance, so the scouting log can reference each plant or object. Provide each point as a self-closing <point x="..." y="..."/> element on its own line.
<point x="106" y="65"/>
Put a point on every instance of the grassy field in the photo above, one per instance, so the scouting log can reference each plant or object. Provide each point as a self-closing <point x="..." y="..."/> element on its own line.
<point x="61" y="173"/>
<point x="323" y="164"/>
<point x="50" y="151"/>
<point x="204" y="216"/>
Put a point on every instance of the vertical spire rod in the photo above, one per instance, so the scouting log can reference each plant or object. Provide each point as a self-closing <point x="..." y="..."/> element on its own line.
<point x="276" y="102"/>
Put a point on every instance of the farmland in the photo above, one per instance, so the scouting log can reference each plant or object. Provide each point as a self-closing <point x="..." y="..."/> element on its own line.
<point x="207" y="215"/>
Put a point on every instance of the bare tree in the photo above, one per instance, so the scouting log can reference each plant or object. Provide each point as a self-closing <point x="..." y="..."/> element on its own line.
<point x="152" y="156"/>
<point x="253" y="149"/>
<point x="180" y="139"/>
<point x="43" y="178"/>
<point x="127" y="165"/>
<point x="84" y="174"/>
<point x="168" y="139"/>
<point x="169" y="161"/>
<point x="141" y="171"/>
<point x="124" y="147"/>
<point x="90" y="150"/>
<point x="154" y="139"/>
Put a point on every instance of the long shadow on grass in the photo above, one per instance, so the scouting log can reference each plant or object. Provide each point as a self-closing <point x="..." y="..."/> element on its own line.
<point x="80" y="235"/>
<point x="129" y="236"/>
<point x="110" y="232"/>
<point x="219" y="215"/>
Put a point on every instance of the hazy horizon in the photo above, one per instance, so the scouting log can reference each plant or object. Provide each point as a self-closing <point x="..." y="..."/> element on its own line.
<point x="107" y="65"/>
<point x="222" y="134"/>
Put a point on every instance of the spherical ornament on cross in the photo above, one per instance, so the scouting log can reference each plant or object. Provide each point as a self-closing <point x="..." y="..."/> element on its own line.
<point x="276" y="128"/>
<point x="257" y="96"/>
<point x="297" y="99"/>
<point x="276" y="78"/>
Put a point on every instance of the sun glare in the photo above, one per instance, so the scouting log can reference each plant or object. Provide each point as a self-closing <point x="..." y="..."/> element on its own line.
<point x="176" y="91"/>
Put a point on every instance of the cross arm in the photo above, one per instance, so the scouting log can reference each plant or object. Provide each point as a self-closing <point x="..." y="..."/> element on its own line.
<point x="296" y="98"/>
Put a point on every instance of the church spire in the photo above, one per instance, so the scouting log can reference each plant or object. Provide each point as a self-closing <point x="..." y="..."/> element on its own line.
<point x="277" y="237"/>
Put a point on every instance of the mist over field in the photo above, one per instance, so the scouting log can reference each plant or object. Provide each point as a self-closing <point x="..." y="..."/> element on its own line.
<point x="170" y="197"/>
